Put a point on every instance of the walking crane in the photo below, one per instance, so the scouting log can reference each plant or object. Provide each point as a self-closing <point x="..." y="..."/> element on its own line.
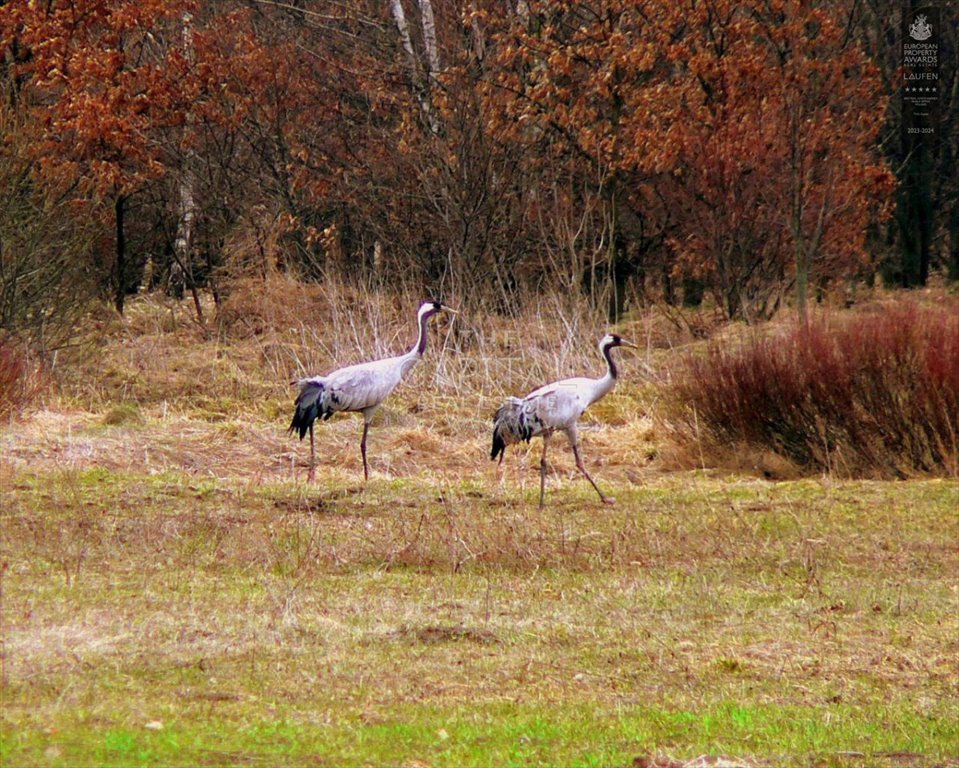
<point x="555" y="407"/>
<point x="360" y="388"/>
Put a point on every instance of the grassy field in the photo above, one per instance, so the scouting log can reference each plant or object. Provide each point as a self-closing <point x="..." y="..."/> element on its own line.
<point x="175" y="594"/>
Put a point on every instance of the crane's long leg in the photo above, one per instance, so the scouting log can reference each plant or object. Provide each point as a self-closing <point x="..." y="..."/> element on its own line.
<point x="582" y="468"/>
<point x="366" y="468"/>
<point x="310" y="476"/>
<point x="542" y="473"/>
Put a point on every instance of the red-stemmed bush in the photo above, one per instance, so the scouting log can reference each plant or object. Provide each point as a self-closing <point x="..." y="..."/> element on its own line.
<point x="18" y="381"/>
<point x="872" y="393"/>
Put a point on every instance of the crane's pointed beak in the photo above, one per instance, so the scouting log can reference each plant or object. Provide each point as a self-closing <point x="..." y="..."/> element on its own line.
<point x="624" y="343"/>
<point x="449" y="309"/>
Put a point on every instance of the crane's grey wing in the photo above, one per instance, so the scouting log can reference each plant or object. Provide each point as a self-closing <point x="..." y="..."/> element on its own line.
<point x="360" y="387"/>
<point x="556" y="406"/>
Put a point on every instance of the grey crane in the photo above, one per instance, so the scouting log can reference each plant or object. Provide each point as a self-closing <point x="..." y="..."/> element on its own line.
<point x="360" y="388"/>
<point x="555" y="407"/>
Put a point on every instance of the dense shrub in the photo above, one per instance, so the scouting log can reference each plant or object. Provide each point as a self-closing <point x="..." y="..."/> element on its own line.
<point x="46" y="269"/>
<point x="871" y="393"/>
<point x="18" y="382"/>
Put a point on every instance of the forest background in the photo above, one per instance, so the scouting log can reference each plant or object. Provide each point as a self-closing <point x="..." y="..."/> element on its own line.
<point x="634" y="153"/>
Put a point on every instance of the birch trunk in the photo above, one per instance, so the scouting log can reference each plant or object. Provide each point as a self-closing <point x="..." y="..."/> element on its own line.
<point x="429" y="37"/>
<point x="399" y="18"/>
<point x="183" y="243"/>
<point x="420" y="88"/>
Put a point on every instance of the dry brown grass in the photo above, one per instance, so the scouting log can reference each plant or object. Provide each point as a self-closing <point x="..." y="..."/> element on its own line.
<point x="163" y="394"/>
<point x="166" y="562"/>
<point x="303" y="327"/>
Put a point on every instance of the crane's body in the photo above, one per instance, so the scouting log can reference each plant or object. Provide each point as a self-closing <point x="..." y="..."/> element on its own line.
<point x="556" y="407"/>
<point x="359" y="388"/>
<point x="354" y="388"/>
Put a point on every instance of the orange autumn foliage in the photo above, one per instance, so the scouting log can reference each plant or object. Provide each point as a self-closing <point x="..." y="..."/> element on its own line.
<point x="749" y="127"/>
<point x="105" y="79"/>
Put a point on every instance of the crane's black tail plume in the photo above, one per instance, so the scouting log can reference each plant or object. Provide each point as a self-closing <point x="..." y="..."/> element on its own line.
<point x="309" y="406"/>
<point x="509" y="426"/>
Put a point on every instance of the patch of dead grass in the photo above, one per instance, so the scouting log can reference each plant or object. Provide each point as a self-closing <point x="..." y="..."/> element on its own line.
<point x="183" y="558"/>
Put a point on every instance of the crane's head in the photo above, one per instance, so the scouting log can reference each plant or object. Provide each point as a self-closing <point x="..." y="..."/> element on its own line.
<point x="611" y="340"/>
<point x="430" y="307"/>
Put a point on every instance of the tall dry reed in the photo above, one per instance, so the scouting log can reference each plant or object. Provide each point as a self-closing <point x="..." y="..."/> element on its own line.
<point x="307" y="328"/>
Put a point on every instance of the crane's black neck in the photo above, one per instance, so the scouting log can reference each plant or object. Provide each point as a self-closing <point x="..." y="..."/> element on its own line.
<point x="613" y="372"/>
<point x="420" y="347"/>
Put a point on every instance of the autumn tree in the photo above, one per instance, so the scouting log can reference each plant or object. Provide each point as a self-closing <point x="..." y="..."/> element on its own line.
<point x="576" y="83"/>
<point x="744" y="129"/>
<point x="254" y="137"/>
<point x="776" y="115"/>
<point x="184" y="115"/>
<point x="106" y="78"/>
<point x="601" y="144"/>
<point x="46" y="283"/>
<point x="421" y="186"/>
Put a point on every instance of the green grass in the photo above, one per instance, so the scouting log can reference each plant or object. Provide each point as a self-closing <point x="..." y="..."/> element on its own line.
<point x="502" y="735"/>
<point x="166" y="619"/>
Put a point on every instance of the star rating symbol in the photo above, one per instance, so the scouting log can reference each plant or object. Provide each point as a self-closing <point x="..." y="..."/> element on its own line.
<point x="930" y="89"/>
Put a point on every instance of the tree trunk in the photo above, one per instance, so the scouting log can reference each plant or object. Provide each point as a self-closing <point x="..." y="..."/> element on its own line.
<point x="616" y="267"/>
<point x="669" y="290"/>
<point x="429" y="37"/>
<point x="915" y="211"/>
<point x="479" y="39"/>
<point x="184" y="244"/>
<point x="621" y="273"/>
<point x="421" y="89"/>
<point x="802" y="285"/>
<point x="120" y="262"/>
<point x="952" y="268"/>
<point x="914" y="215"/>
<point x="693" y="290"/>
<point x="399" y="18"/>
